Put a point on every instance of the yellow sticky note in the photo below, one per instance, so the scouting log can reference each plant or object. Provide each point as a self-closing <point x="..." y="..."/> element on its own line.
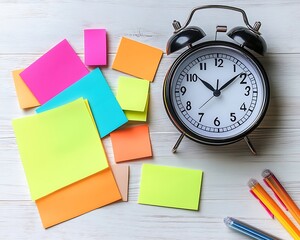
<point x="132" y="93"/>
<point x="137" y="59"/>
<point x="138" y="116"/>
<point x="25" y="97"/>
<point x="170" y="187"/>
<point x="59" y="147"/>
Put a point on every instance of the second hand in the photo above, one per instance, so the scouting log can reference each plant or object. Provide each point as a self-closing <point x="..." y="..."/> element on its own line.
<point x="211" y="96"/>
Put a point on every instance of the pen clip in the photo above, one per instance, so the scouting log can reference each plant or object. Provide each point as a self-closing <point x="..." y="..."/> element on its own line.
<point x="264" y="206"/>
<point x="278" y="198"/>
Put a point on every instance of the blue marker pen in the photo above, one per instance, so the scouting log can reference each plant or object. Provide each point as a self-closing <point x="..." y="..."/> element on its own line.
<point x="248" y="230"/>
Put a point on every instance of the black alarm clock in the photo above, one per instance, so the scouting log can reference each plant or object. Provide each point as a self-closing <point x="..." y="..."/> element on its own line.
<point x="216" y="92"/>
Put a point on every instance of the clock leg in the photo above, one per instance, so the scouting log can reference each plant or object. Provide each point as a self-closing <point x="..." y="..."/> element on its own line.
<point x="177" y="143"/>
<point x="250" y="146"/>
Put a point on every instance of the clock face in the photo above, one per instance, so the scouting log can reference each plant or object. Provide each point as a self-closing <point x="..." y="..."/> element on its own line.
<point x="217" y="93"/>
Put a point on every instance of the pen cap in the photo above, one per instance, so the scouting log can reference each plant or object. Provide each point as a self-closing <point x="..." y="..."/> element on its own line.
<point x="266" y="173"/>
<point x="228" y="221"/>
<point x="252" y="182"/>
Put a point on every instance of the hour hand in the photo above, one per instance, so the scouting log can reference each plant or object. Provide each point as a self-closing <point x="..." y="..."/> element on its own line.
<point x="206" y="84"/>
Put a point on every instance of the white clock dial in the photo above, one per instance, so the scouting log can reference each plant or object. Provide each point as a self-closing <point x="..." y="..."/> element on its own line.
<point x="218" y="92"/>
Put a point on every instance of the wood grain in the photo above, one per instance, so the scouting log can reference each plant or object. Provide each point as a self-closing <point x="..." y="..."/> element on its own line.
<point x="29" y="28"/>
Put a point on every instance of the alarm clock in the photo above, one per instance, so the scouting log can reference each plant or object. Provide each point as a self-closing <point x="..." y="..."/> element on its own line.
<point x="216" y="92"/>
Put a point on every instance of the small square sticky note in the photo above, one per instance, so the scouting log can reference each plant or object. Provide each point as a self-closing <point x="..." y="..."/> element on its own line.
<point x="132" y="93"/>
<point x="59" y="147"/>
<point x="137" y="59"/>
<point x="78" y="198"/>
<point x="170" y="187"/>
<point x="25" y="97"/>
<point x="131" y="143"/>
<point x="56" y="70"/>
<point x="95" y="50"/>
<point x="106" y="110"/>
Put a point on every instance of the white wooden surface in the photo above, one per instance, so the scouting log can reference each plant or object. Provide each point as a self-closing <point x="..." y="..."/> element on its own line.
<point x="29" y="28"/>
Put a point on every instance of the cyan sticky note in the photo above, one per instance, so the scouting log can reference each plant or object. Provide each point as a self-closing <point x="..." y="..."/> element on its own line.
<point x="106" y="110"/>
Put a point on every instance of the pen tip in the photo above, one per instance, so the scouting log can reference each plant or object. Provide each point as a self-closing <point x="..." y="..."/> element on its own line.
<point x="266" y="173"/>
<point x="252" y="182"/>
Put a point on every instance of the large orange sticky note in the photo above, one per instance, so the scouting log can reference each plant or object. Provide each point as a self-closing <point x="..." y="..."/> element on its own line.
<point x="121" y="173"/>
<point x="25" y="97"/>
<point x="78" y="198"/>
<point x="131" y="143"/>
<point x="137" y="59"/>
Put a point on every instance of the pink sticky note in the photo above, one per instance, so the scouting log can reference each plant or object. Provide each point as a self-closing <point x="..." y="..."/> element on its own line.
<point x="95" y="51"/>
<point x="56" y="70"/>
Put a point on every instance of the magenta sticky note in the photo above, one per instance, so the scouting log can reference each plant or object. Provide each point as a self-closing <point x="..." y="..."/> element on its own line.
<point x="95" y="49"/>
<point x="53" y="72"/>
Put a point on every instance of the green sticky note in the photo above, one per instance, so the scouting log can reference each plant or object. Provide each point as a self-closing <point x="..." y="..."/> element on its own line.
<point x="137" y="116"/>
<point x="170" y="187"/>
<point x="59" y="147"/>
<point x="132" y="93"/>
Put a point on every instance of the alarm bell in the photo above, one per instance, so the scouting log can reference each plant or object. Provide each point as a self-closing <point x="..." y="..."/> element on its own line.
<point x="248" y="38"/>
<point x="184" y="38"/>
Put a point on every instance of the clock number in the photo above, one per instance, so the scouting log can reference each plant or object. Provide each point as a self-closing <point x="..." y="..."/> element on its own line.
<point x="183" y="90"/>
<point x="217" y="122"/>
<point x="188" y="105"/>
<point x="243" y="107"/>
<point x="243" y="76"/>
<point x="202" y="66"/>
<point x="219" y="62"/>
<point x="247" y="93"/>
<point x="234" y="68"/>
<point x="201" y="116"/>
<point x="191" y="77"/>
<point x="232" y="117"/>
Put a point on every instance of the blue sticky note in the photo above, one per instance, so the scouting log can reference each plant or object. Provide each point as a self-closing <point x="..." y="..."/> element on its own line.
<point x="106" y="110"/>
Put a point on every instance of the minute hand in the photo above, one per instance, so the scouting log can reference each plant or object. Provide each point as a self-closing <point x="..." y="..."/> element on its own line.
<point x="229" y="82"/>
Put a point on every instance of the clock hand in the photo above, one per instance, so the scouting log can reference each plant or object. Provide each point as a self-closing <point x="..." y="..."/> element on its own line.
<point x="229" y="82"/>
<point x="206" y="84"/>
<point x="206" y="101"/>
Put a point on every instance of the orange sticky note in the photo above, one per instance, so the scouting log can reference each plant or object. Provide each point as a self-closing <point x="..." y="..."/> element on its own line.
<point x="25" y="97"/>
<point x="78" y="198"/>
<point x="121" y="173"/>
<point x="137" y="59"/>
<point x="131" y="143"/>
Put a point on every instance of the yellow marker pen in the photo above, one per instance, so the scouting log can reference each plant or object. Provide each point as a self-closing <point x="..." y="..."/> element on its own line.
<point x="274" y="208"/>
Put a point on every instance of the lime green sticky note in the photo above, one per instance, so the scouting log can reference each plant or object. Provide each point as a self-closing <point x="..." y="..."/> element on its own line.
<point x="132" y="93"/>
<point x="59" y="147"/>
<point x="138" y="116"/>
<point x="170" y="187"/>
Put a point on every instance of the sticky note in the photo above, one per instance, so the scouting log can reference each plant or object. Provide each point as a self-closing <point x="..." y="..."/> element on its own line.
<point x="78" y="198"/>
<point x="121" y="173"/>
<point x="132" y="93"/>
<point x="137" y="59"/>
<point x="138" y="116"/>
<point x="170" y="187"/>
<point x="59" y="147"/>
<point x="131" y="143"/>
<point x="95" y="49"/>
<point x="106" y="110"/>
<point x="25" y="97"/>
<point x="53" y="72"/>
